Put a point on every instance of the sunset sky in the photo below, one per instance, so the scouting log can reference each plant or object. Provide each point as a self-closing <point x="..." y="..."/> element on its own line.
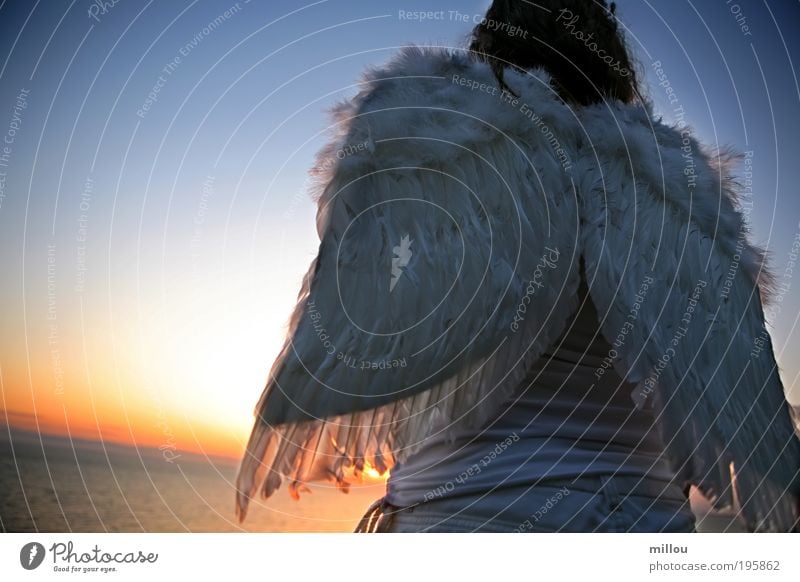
<point x="154" y="219"/>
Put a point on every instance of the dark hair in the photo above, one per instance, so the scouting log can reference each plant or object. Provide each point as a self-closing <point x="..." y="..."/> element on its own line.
<point x="576" y="41"/>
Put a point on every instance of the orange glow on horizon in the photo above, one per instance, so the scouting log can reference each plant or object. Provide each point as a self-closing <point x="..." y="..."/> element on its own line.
<point x="110" y="415"/>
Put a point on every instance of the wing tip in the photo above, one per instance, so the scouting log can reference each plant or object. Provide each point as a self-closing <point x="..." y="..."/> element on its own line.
<point x="250" y="470"/>
<point x="244" y="491"/>
<point x="242" y="503"/>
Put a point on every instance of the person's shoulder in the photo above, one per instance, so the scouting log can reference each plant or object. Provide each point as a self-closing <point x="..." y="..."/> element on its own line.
<point x="635" y="136"/>
<point x="428" y="104"/>
<point x="456" y="79"/>
<point x="669" y="163"/>
<point x="424" y="75"/>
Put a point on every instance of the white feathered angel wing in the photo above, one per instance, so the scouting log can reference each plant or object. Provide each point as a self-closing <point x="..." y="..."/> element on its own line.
<point x="447" y="264"/>
<point x="677" y="284"/>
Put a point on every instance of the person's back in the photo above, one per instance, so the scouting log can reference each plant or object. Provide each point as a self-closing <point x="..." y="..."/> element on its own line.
<point x="486" y="195"/>
<point x="573" y="429"/>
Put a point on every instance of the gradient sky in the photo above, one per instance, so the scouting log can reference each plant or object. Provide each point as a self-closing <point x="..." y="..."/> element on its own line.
<point x="151" y="258"/>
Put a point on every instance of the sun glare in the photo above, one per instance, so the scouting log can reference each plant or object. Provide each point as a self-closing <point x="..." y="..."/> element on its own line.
<point x="373" y="473"/>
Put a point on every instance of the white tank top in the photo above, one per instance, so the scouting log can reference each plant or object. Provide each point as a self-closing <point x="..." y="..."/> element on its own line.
<point x="570" y="420"/>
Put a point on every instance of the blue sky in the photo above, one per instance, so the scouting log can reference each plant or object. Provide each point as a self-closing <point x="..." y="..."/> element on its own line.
<point x="177" y="267"/>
